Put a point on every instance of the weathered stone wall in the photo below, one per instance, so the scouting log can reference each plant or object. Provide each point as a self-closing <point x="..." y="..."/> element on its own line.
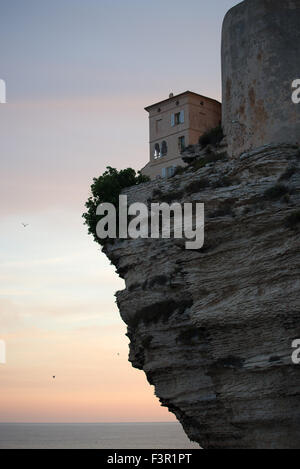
<point x="212" y="329"/>
<point x="260" y="60"/>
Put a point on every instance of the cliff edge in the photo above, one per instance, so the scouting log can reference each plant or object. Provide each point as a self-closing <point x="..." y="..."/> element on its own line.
<point x="212" y="329"/>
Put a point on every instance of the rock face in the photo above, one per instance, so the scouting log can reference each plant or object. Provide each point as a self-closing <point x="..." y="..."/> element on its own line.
<point x="212" y="329"/>
<point x="260" y="61"/>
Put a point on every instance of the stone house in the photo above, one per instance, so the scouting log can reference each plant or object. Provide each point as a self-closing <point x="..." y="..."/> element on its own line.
<point x="174" y="124"/>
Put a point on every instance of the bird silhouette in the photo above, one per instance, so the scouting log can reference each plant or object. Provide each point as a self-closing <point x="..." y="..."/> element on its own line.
<point x="25" y="224"/>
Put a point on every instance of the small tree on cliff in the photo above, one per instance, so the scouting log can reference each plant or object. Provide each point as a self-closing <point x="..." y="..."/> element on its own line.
<point x="212" y="137"/>
<point x="107" y="188"/>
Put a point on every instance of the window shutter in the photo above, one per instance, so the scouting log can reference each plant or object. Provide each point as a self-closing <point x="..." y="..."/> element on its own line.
<point x="181" y="117"/>
<point x="172" y="120"/>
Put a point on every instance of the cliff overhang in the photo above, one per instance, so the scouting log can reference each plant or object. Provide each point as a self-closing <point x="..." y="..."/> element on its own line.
<point x="212" y="328"/>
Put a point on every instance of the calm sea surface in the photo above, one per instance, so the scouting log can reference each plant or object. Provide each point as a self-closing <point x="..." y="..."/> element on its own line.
<point x="93" y="436"/>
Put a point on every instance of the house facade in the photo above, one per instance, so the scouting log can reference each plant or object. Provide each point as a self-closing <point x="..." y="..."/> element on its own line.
<point x="174" y="124"/>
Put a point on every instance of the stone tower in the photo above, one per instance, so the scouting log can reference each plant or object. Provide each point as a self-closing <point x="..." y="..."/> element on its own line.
<point x="260" y="61"/>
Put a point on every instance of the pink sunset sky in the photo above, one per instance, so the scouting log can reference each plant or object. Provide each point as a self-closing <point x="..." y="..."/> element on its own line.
<point x="78" y="76"/>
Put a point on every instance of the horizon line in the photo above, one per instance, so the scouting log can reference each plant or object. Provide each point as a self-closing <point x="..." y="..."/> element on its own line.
<point x="81" y="423"/>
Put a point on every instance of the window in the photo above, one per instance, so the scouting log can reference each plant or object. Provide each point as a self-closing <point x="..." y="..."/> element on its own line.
<point x="168" y="172"/>
<point x="164" y="148"/>
<point x="156" y="151"/>
<point x="181" y="143"/>
<point x="171" y="171"/>
<point x="177" y="118"/>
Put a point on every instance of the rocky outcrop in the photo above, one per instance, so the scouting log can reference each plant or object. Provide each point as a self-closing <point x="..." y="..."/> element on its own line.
<point x="198" y="151"/>
<point x="212" y="329"/>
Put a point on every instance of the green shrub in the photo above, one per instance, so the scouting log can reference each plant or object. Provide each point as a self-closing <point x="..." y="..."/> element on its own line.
<point x="212" y="137"/>
<point x="107" y="188"/>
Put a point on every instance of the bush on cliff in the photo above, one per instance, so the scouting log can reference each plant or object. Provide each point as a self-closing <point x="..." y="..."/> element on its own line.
<point x="212" y="137"/>
<point x="107" y="188"/>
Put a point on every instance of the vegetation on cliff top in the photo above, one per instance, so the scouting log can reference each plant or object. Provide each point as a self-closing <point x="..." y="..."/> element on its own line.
<point x="107" y="188"/>
<point x="212" y="136"/>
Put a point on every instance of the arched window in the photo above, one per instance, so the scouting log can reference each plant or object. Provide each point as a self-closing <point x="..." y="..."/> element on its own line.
<point x="164" y="148"/>
<point x="156" y="151"/>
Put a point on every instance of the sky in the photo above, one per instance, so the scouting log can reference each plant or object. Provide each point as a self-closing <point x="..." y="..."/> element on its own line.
<point x="78" y="75"/>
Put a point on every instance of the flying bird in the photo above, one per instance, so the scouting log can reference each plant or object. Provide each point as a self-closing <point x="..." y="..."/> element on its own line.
<point x="25" y="224"/>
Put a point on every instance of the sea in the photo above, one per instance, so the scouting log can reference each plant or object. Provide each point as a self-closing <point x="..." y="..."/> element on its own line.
<point x="94" y="436"/>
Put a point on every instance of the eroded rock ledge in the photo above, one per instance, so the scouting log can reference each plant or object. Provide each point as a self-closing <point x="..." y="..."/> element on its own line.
<point x="212" y="329"/>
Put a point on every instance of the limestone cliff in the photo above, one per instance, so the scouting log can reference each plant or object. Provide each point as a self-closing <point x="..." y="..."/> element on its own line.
<point x="212" y="329"/>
